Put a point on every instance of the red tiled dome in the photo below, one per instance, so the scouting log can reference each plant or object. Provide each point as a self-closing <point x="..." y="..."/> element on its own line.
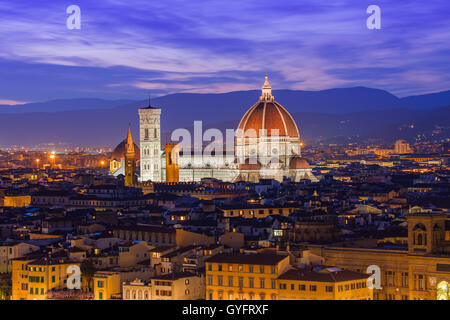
<point x="269" y="115"/>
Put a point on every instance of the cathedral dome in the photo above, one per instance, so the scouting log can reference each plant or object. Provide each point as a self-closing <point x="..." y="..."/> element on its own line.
<point x="269" y="115"/>
<point x="119" y="151"/>
<point x="298" y="163"/>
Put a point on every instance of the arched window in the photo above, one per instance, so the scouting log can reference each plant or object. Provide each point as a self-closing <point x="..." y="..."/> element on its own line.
<point x="127" y="294"/>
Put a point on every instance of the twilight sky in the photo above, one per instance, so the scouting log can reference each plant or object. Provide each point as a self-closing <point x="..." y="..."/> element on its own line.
<point x="126" y="49"/>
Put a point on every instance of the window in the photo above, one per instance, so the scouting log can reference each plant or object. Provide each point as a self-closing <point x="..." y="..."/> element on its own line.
<point x="312" y="288"/>
<point x="261" y="283"/>
<point x="100" y="284"/>
<point x="220" y="280"/>
<point x="250" y="283"/>
<point x="53" y="278"/>
<point x="302" y="287"/>
<point x="186" y="292"/>
<point x="261" y="269"/>
<point x="210" y="280"/>
<point x="219" y="267"/>
<point x="209" y="267"/>
<point x="273" y="283"/>
<point x="230" y="281"/>
<point x="230" y="268"/>
<point x="240" y="268"/>
<point x="250" y="269"/>
<point x="272" y="270"/>
<point x="340" y="288"/>
<point x="273" y="296"/>
<point x="241" y="282"/>
<point x="186" y="282"/>
<point x="329" y="288"/>
<point x="404" y="280"/>
<point x="420" y="282"/>
<point x="282" y="286"/>
<point x="292" y="287"/>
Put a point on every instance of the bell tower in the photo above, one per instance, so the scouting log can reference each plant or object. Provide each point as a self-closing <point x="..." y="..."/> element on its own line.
<point x="426" y="232"/>
<point x="150" y="143"/>
<point x="130" y="161"/>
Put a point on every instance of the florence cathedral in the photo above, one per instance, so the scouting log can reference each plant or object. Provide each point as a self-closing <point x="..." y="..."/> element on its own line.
<point x="267" y="146"/>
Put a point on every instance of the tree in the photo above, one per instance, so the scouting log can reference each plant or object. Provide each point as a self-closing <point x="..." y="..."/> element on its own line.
<point x="88" y="270"/>
<point x="5" y="288"/>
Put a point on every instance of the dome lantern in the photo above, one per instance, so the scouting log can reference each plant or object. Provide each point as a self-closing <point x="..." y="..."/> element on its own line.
<point x="266" y="91"/>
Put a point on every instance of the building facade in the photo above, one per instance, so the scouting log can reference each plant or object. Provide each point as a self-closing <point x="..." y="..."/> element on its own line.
<point x="150" y="143"/>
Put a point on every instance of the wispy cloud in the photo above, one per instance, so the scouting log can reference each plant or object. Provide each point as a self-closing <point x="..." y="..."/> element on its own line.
<point x="128" y="48"/>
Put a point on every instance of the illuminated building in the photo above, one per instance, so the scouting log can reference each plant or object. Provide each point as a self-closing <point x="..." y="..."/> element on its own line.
<point x="419" y="273"/>
<point x="150" y="143"/>
<point x="401" y="146"/>
<point x="34" y="279"/>
<point x="117" y="161"/>
<point x="17" y="200"/>
<point x="130" y="161"/>
<point x="323" y="284"/>
<point x="172" y="163"/>
<point x="13" y="250"/>
<point x="266" y="129"/>
<point x="173" y="286"/>
<point x="244" y="277"/>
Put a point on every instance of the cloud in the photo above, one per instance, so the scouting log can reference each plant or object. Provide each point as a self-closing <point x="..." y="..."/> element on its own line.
<point x="174" y="45"/>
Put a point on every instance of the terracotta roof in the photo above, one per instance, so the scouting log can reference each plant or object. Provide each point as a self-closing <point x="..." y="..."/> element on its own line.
<point x="256" y="259"/>
<point x="324" y="275"/>
<point x="298" y="163"/>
